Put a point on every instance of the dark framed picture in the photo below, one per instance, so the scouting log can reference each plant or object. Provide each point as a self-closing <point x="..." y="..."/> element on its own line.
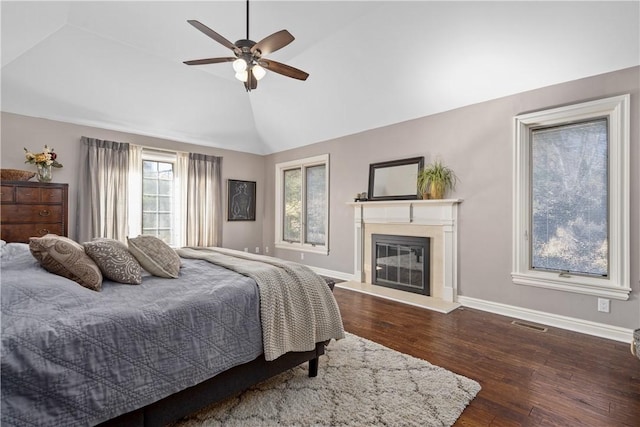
<point x="241" y="204"/>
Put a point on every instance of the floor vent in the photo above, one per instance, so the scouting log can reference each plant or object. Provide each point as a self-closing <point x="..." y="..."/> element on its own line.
<point x="529" y="326"/>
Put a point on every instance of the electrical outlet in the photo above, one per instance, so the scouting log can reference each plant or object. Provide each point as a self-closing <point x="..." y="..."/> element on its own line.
<point x="257" y="249"/>
<point x="246" y="249"/>
<point x="266" y="249"/>
<point x="301" y="255"/>
<point x="603" y="305"/>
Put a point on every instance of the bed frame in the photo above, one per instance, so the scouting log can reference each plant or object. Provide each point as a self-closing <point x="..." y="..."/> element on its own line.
<point x="215" y="389"/>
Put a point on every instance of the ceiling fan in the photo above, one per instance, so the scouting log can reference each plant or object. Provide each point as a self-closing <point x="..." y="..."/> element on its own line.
<point x="249" y="62"/>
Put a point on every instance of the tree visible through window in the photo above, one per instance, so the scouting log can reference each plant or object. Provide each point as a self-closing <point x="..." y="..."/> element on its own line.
<point x="316" y="205"/>
<point x="569" y="184"/>
<point x="302" y="206"/>
<point x="571" y="198"/>
<point x="292" y="205"/>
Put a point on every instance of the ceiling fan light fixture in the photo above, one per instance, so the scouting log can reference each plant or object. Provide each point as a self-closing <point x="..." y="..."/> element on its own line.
<point x="240" y="65"/>
<point x="242" y="76"/>
<point x="258" y="72"/>
<point x="248" y="55"/>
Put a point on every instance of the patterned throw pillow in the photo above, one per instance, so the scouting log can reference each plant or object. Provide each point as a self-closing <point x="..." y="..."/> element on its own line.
<point x="155" y="256"/>
<point x="115" y="260"/>
<point x="64" y="257"/>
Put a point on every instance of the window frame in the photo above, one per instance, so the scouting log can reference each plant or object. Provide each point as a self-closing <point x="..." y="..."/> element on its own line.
<point x="302" y="164"/>
<point x="617" y="284"/>
<point x="164" y="157"/>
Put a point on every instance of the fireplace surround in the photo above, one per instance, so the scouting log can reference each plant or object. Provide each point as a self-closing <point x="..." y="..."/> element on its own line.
<point x="435" y="219"/>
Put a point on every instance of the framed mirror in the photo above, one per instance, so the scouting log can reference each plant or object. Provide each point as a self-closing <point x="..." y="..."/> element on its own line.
<point x="395" y="180"/>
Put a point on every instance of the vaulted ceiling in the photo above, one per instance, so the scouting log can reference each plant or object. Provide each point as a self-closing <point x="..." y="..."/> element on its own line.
<point x="118" y="65"/>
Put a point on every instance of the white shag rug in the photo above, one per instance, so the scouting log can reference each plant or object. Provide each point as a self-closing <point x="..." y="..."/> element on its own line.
<point x="359" y="383"/>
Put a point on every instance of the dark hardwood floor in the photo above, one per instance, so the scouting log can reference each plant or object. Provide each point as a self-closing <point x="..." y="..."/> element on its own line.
<point x="528" y="378"/>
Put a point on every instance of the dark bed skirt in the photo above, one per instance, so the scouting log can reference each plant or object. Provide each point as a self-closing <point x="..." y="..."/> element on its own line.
<point x="215" y="389"/>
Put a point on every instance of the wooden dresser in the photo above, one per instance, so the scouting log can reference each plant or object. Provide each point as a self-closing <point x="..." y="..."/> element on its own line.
<point x="33" y="209"/>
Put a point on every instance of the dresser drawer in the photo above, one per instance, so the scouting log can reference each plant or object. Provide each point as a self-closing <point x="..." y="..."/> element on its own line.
<point x="7" y="193"/>
<point x="38" y="195"/>
<point x="31" y="213"/>
<point x="21" y="232"/>
<point x="33" y="209"/>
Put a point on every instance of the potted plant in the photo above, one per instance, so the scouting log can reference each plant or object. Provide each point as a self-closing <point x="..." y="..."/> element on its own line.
<point x="435" y="179"/>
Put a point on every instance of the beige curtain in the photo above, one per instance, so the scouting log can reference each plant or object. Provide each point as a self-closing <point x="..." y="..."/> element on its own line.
<point x="135" y="191"/>
<point x="102" y="190"/>
<point x="204" y="201"/>
<point x="180" y="200"/>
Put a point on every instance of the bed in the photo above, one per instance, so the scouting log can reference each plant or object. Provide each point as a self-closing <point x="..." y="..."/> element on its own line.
<point x="151" y="353"/>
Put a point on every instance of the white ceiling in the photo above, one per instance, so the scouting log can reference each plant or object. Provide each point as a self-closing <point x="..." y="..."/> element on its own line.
<point x="118" y="65"/>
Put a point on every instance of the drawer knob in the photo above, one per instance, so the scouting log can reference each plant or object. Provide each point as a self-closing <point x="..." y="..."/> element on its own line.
<point x="43" y="231"/>
<point x="45" y="212"/>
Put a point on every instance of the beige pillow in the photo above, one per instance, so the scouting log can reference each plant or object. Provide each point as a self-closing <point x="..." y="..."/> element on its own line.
<point x="155" y="256"/>
<point x="115" y="260"/>
<point x="64" y="257"/>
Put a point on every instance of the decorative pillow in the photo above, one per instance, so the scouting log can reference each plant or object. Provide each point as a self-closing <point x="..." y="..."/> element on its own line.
<point x="64" y="257"/>
<point x="155" y="256"/>
<point x="115" y="260"/>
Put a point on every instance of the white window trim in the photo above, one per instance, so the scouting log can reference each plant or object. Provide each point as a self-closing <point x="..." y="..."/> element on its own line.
<point x="617" y="285"/>
<point x="301" y="163"/>
<point x="179" y="169"/>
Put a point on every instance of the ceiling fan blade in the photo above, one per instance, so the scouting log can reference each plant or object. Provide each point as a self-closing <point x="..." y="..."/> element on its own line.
<point x="285" y="70"/>
<point x="209" y="61"/>
<point x="209" y="32"/>
<point x="273" y="42"/>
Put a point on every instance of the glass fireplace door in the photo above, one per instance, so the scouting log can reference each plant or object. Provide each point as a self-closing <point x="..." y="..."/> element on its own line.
<point x="401" y="262"/>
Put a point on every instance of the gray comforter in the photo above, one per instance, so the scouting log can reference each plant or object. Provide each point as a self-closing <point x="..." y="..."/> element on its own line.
<point x="71" y="356"/>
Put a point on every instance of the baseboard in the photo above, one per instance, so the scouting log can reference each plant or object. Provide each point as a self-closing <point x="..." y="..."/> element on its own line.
<point x="601" y="330"/>
<point x="334" y="274"/>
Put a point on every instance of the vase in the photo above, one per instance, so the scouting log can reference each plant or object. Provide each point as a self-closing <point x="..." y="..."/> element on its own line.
<point x="44" y="173"/>
<point x="436" y="191"/>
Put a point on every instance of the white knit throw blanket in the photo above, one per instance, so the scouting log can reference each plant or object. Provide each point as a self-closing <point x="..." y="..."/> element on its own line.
<point x="297" y="308"/>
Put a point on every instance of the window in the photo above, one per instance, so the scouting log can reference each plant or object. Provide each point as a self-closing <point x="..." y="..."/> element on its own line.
<point x="157" y="199"/>
<point x="571" y="201"/>
<point x="302" y="204"/>
<point x="160" y="215"/>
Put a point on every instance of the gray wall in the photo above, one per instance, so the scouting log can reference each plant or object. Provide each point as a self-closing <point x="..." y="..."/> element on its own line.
<point x="477" y="142"/>
<point x="33" y="133"/>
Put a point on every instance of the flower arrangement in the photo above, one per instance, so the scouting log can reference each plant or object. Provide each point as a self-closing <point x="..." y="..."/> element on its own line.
<point x="46" y="158"/>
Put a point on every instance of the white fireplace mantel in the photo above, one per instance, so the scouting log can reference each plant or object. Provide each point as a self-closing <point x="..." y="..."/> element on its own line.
<point x="411" y="215"/>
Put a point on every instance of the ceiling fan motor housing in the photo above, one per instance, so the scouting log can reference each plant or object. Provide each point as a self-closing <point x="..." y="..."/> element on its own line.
<point x="244" y="51"/>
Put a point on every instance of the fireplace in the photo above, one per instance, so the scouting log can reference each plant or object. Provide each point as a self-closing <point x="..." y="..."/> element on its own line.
<point x="401" y="262"/>
<point x="433" y="219"/>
